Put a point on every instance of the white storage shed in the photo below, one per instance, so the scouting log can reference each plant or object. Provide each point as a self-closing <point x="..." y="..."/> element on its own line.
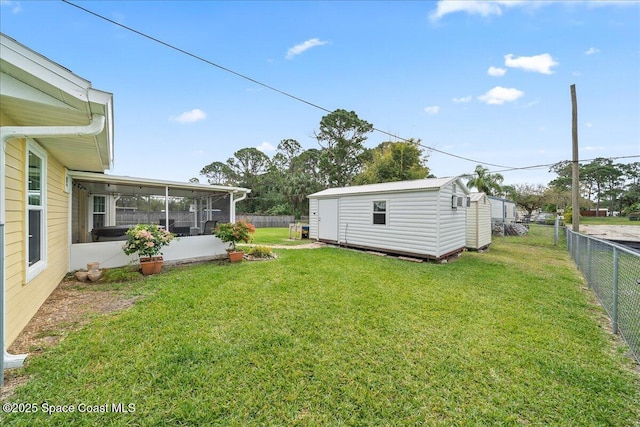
<point x="478" y="221"/>
<point x="423" y="218"/>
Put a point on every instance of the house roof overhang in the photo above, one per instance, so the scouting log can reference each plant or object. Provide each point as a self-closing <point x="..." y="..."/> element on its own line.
<point x="35" y="91"/>
<point x="99" y="183"/>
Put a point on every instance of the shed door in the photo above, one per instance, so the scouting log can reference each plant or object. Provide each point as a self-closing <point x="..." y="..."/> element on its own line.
<point x="328" y="219"/>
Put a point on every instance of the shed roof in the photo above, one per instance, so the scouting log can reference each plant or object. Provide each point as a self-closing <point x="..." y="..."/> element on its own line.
<point x="476" y="197"/>
<point x="428" y="184"/>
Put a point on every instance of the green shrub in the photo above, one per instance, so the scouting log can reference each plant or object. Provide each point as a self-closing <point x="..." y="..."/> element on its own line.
<point x="568" y="215"/>
<point x="261" y="252"/>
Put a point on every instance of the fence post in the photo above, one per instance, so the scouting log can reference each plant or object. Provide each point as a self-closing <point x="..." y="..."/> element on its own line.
<point x="556" y="226"/>
<point x="614" y="313"/>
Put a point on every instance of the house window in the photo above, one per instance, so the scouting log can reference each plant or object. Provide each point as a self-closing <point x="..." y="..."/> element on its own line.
<point x="380" y="212"/>
<point x="99" y="211"/>
<point x="36" y="210"/>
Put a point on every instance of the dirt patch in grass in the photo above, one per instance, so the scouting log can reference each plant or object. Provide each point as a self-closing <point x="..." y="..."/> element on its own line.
<point x="71" y="305"/>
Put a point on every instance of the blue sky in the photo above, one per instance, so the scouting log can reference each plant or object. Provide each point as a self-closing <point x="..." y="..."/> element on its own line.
<point x="485" y="80"/>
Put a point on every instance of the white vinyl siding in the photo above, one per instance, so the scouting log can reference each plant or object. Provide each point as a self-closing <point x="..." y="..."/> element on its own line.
<point x="502" y="209"/>
<point x="411" y="222"/>
<point x="451" y="233"/>
<point x="418" y="217"/>
<point x="313" y="219"/>
<point x="479" y="222"/>
<point x="379" y="216"/>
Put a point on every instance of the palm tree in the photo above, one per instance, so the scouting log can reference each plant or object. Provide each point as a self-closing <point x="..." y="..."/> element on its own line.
<point x="485" y="182"/>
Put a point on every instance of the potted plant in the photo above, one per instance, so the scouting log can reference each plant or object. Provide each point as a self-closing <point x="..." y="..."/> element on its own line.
<point x="240" y="231"/>
<point x="147" y="240"/>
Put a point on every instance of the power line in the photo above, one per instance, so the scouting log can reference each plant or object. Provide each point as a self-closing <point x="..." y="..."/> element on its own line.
<point x="252" y="80"/>
<point x="551" y="164"/>
<point x="199" y="58"/>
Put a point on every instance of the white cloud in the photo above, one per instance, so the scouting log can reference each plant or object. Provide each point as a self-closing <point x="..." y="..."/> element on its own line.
<point x="14" y="5"/>
<point x="588" y="124"/>
<point x="434" y="109"/>
<point x="299" y="48"/>
<point x="496" y="71"/>
<point x="592" y="50"/>
<point x="462" y="100"/>
<point x="499" y="95"/>
<point x="266" y="147"/>
<point x="192" y="116"/>
<point x="472" y="7"/>
<point x="576" y="74"/>
<point x="538" y="63"/>
<point x="496" y="7"/>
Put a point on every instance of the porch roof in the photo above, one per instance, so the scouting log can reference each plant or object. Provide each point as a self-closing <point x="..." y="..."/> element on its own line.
<point x="100" y="183"/>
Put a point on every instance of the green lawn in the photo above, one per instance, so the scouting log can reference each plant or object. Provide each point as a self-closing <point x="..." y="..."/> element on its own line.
<point x="275" y="236"/>
<point x="608" y="220"/>
<point x="330" y="337"/>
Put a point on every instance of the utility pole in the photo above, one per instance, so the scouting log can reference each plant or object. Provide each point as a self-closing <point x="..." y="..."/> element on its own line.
<point x="575" y="177"/>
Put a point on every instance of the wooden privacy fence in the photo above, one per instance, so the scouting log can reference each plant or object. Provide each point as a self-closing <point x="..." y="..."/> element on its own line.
<point x="186" y="218"/>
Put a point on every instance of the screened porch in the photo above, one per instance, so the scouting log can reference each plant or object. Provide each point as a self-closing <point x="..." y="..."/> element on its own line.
<point x="104" y="207"/>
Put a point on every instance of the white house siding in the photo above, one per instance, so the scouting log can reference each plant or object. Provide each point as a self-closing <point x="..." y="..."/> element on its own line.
<point x="313" y="219"/>
<point x="479" y="222"/>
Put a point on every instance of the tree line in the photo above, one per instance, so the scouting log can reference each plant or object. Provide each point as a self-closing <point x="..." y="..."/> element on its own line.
<point x="280" y="184"/>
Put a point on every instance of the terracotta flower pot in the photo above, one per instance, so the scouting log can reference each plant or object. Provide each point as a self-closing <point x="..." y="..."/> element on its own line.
<point x="235" y="256"/>
<point x="150" y="266"/>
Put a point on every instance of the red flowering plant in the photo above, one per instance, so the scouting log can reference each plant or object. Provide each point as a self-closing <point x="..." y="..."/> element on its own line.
<point x="240" y="231"/>
<point x="146" y="240"/>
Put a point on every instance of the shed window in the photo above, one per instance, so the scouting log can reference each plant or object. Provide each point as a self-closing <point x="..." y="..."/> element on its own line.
<point x="380" y="212"/>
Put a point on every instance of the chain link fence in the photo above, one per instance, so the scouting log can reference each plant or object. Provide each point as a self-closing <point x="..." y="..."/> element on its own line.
<point x="613" y="273"/>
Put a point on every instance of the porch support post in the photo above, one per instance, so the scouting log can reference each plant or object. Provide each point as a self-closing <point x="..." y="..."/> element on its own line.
<point x="166" y="206"/>
<point x="195" y="212"/>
